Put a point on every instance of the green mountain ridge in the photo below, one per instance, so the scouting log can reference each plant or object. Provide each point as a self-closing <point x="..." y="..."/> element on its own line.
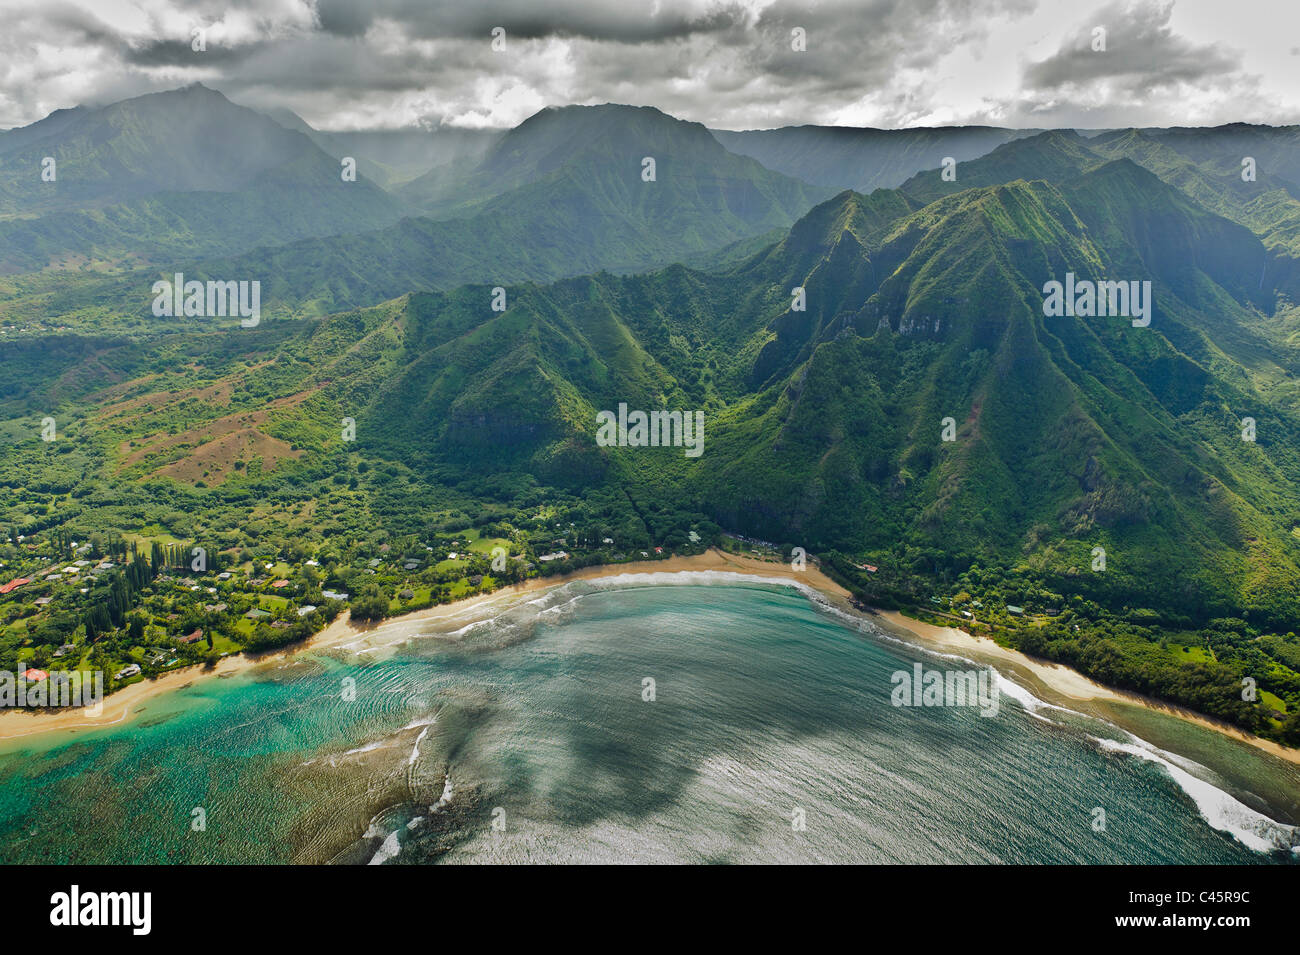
<point x="824" y="425"/>
<point x="922" y="414"/>
<point x="590" y="212"/>
<point x="167" y="176"/>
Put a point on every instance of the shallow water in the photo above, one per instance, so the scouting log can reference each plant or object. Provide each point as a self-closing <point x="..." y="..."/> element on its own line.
<point x="529" y="738"/>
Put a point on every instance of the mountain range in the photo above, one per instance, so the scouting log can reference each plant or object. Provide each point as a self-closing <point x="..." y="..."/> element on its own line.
<point x="878" y="372"/>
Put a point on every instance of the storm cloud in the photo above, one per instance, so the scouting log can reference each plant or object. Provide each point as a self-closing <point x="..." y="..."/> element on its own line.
<point x="343" y="64"/>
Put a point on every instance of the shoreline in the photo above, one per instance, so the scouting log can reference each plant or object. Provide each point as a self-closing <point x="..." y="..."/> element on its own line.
<point x="128" y="702"/>
<point x="1057" y="679"/>
<point x="1067" y="683"/>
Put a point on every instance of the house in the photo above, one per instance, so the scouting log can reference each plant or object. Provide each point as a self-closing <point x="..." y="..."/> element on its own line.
<point x="476" y="579"/>
<point x="303" y="611"/>
<point x="277" y="584"/>
<point x="42" y="601"/>
<point x="610" y="540"/>
<point x="373" y="562"/>
<point x="334" y="594"/>
<point x="192" y="637"/>
<point x="1016" y="610"/>
<point x="65" y="650"/>
<point x="411" y="565"/>
<point x="130" y="670"/>
<point x="256" y="614"/>
<point x="33" y="675"/>
<point x="558" y="555"/>
<point x="15" y="584"/>
<point x="659" y="550"/>
<point x="224" y="575"/>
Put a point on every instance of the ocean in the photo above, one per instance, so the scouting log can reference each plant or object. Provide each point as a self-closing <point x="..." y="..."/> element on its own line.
<point x="693" y="718"/>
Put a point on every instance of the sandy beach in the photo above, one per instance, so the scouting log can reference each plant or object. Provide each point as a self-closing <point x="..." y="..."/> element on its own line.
<point x="130" y="701"/>
<point x="1055" y="683"/>
<point x="1058" y="683"/>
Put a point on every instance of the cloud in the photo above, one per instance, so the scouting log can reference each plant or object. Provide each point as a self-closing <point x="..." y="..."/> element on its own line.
<point x="1140" y="53"/>
<point x="728" y="63"/>
<point x="618" y="22"/>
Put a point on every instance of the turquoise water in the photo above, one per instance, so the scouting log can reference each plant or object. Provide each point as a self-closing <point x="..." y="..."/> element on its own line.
<point x="526" y="738"/>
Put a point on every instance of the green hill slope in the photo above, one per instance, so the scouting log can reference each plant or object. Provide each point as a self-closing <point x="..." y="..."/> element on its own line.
<point x="168" y="176"/>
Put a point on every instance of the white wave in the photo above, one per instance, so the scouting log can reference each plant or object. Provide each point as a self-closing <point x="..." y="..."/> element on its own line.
<point x="421" y="721"/>
<point x="465" y="629"/>
<point x="415" y="750"/>
<point x="695" y="578"/>
<point x="1218" y="808"/>
<point x="558" y="607"/>
<point x="1028" y="702"/>
<point x="366" y="748"/>
<point x="445" y="797"/>
<point x="387" y="850"/>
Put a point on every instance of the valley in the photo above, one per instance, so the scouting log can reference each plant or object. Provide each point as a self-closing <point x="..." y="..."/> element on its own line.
<point x="381" y="418"/>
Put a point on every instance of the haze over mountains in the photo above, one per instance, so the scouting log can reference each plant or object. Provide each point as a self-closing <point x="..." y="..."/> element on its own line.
<point x="165" y="176"/>
<point x="924" y="302"/>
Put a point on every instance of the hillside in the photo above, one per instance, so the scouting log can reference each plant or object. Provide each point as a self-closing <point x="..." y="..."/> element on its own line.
<point x="568" y="199"/>
<point x="168" y="176"/>
<point x="923" y="415"/>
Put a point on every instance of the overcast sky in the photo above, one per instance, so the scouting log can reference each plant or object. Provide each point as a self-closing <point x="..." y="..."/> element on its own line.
<point x="347" y="64"/>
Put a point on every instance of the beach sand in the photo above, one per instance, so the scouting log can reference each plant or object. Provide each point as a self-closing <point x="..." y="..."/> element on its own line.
<point x="1055" y="683"/>
<point x="1058" y="683"/>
